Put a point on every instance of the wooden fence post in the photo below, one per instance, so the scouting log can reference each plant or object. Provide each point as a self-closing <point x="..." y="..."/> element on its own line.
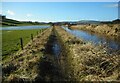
<point x="32" y="37"/>
<point x="37" y="33"/>
<point x="21" y="43"/>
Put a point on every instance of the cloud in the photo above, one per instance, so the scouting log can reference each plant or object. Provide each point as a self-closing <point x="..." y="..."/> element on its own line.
<point x="112" y="5"/>
<point x="10" y="12"/>
<point x="29" y="15"/>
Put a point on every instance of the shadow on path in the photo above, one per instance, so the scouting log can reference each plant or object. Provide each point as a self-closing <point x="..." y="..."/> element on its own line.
<point x="49" y="64"/>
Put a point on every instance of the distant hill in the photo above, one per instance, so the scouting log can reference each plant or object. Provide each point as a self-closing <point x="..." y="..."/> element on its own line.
<point x="98" y="22"/>
<point x="88" y="22"/>
<point x="10" y="22"/>
<point x="117" y="21"/>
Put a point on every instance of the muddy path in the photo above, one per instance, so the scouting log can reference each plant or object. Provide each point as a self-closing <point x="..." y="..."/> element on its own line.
<point x="42" y="59"/>
<point x="50" y="69"/>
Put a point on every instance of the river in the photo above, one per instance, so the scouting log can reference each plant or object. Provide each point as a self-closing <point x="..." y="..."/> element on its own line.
<point x="94" y="38"/>
<point x="24" y="27"/>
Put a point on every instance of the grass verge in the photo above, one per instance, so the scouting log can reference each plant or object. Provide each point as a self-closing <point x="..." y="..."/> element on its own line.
<point x="23" y="66"/>
<point x="11" y="39"/>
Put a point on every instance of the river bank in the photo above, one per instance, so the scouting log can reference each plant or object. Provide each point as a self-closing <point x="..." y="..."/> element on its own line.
<point x="88" y="62"/>
<point x="109" y="30"/>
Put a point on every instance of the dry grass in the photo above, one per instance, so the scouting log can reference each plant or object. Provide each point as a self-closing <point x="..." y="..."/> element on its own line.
<point x="89" y="62"/>
<point x="80" y="61"/>
<point x="23" y="65"/>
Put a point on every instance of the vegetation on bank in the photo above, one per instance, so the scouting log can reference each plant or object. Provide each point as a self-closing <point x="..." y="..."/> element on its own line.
<point x="23" y="66"/>
<point x="11" y="39"/>
<point x="87" y="62"/>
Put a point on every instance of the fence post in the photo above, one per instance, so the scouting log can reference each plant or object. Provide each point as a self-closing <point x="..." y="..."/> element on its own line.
<point x="37" y="33"/>
<point x="21" y="43"/>
<point x="32" y="37"/>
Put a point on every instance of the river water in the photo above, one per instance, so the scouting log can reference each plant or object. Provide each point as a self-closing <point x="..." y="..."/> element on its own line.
<point x="94" y="38"/>
<point x="24" y="27"/>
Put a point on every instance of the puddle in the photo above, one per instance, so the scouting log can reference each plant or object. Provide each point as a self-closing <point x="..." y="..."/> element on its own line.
<point x="56" y="49"/>
<point x="53" y="47"/>
<point x="49" y="66"/>
<point x="23" y="27"/>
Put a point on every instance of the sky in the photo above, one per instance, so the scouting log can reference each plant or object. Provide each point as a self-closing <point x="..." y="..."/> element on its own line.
<point x="60" y="0"/>
<point x="60" y="11"/>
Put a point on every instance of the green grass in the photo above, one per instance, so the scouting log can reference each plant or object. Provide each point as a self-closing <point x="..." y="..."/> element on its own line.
<point x="11" y="40"/>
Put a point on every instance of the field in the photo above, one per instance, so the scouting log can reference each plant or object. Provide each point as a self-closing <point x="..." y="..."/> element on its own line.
<point x="77" y="61"/>
<point x="11" y="39"/>
<point x="24" y="58"/>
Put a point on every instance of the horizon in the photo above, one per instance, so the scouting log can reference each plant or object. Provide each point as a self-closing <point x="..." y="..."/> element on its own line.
<point x="60" y="21"/>
<point x="60" y="11"/>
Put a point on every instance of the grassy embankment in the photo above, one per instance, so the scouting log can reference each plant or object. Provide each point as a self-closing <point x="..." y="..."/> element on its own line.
<point x="87" y="62"/>
<point x="11" y="39"/>
<point x="24" y="65"/>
